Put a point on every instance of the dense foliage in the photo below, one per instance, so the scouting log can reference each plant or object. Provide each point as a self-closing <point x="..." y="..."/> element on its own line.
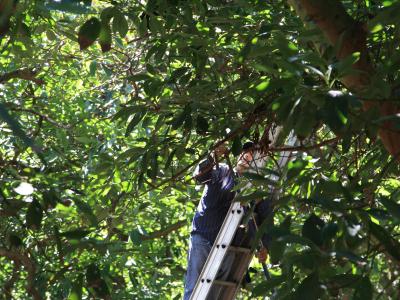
<point x="106" y="107"/>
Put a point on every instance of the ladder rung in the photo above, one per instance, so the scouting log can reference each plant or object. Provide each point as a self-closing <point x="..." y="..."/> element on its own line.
<point x="225" y="283"/>
<point x="239" y="249"/>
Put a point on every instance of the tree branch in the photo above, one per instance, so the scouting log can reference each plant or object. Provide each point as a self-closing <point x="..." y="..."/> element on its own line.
<point x="23" y="259"/>
<point x="9" y="285"/>
<point x="25" y="74"/>
<point x="348" y="36"/>
<point x="154" y="235"/>
<point x="303" y="148"/>
<point x="42" y="116"/>
<point x="165" y="231"/>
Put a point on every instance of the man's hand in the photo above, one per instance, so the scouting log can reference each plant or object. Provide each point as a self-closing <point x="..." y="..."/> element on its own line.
<point x="220" y="151"/>
<point x="262" y="255"/>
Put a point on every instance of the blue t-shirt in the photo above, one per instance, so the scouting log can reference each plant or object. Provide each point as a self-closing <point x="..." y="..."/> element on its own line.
<point x="215" y="202"/>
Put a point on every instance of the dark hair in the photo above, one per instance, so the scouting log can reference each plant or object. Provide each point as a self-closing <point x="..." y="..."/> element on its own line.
<point x="248" y="145"/>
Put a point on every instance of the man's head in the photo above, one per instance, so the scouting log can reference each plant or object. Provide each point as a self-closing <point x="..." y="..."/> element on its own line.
<point x="245" y="157"/>
<point x="250" y="159"/>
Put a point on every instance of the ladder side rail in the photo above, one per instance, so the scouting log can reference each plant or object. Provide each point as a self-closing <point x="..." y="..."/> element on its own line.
<point x="283" y="160"/>
<point x="218" y="251"/>
<point x="286" y="155"/>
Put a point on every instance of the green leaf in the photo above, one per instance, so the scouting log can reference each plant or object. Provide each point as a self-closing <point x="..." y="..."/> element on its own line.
<point x="105" y="38"/>
<point x="132" y="152"/>
<point x="180" y="119"/>
<point x="16" y="128"/>
<point x="295" y="167"/>
<point x="258" y="178"/>
<point x="391" y="245"/>
<point x="345" y="280"/>
<point x="236" y="146"/>
<point x="144" y="161"/>
<point x="127" y="111"/>
<point x="76" y="289"/>
<point x="312" y="229"/>
<point x="364" y="290"/>
<point x="252" y="197"/>
<point x="345" y="66"/>
<point x="15" y="241"/>
<point x="136" y="237"/>
<point x="93" y="68"/>
<point x="155" y="25"/>
<point x="74" y="234"/>
<point x="154" y="166"/>
<point x="135" y="120"/>
<point x="292" y="238"/>
<point x="107" y="14"/>
<point x="169" y="159"/>
<point x="349" y="256"/>
<point x="309" y="288"/>
<point x="276" y="250"/>
<point x="305" y="122"/>
<point x="392" y="207"/>
<point x="96" y="282"/>
<point x="85" y="208"/>
<point x="178" y="73"/>
<point x="306" y="260"/>
<point x="50" y="198"/>
<point x="201" y="125"/>
<point x="139" y="77"/>
<point x="120" y="24"/>
<point x="262" y="288"/>
<point x="329" y="231"/>
<point x="188" y="123"/>
<point x="328" y="203"/>
<point x="34" y="215"/>
<point x="385" y="16"/>
<point x="89" y="32"/>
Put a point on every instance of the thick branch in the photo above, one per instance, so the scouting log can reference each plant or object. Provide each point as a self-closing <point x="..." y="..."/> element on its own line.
<point x="26" y="74"/>
<point x="348" y="37"/>
<point x="341" y="31"/>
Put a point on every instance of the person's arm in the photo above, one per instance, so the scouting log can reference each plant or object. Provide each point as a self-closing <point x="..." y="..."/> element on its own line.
<point x="203" y="171"/>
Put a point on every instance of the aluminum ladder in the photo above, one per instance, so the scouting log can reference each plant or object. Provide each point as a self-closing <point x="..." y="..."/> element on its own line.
<point x="224" y="244"/>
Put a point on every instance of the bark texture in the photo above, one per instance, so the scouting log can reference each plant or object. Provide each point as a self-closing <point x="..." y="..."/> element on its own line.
<point x="348" y="36"/>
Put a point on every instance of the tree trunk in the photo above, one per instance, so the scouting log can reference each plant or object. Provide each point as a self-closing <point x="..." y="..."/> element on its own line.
<point x="348" y="36"/>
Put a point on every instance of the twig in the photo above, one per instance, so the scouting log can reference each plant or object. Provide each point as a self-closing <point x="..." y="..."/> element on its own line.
<point x="165" y="231"/>
<point x="43" y="116"/>
<point x="304" y="148"/>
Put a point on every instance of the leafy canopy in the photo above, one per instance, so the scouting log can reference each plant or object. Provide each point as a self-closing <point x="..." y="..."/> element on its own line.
<point x="106" y="107"/>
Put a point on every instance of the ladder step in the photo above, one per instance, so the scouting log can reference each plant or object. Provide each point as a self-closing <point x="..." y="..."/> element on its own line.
<point x="239" y="249"/>
<point x="225" y="283"/>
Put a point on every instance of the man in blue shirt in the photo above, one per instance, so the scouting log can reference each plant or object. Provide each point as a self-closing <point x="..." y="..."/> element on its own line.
<point x="211" y="212"/>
